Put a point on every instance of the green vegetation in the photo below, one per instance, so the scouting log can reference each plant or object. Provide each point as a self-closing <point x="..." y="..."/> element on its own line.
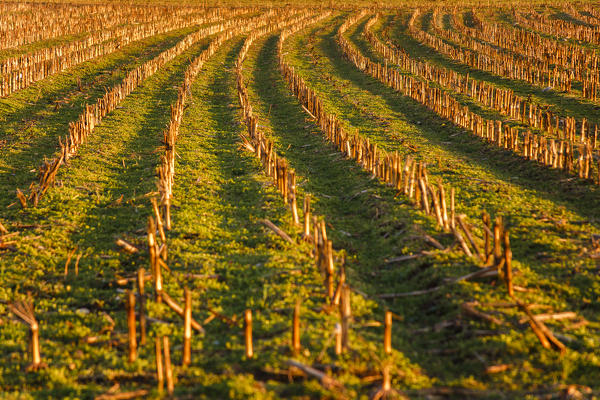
<point x="42" y="44"/>
<point x="33" y="119"/>
<point x="86" y="212"/>
<point x="220" y="249"/>
<point x="550" y="219"/>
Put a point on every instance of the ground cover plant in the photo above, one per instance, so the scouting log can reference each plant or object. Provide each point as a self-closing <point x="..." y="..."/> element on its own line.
<point x="290" y="201"/>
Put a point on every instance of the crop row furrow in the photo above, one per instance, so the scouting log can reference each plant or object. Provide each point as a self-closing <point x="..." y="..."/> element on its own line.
<point x="20" y="72"/>
<point x="559" y="154"/>
<point x="79" y="130"/>
<point x="532" y="115"/>
<point x="407" y="176"/>
<point x="487" y="58"/>
<point x="557" y="27"/>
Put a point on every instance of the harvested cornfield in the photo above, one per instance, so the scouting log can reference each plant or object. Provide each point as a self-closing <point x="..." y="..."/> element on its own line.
<point x="264" y="201"/>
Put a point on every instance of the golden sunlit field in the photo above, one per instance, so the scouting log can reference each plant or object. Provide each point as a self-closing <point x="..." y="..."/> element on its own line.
<point x="300" y="200"/>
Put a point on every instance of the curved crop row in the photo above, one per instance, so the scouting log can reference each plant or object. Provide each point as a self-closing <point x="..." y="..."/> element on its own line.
<point x="505" y="101"/>
<point x="166" y="170"/>
<point x="559" y="28"/>
<point x="578" y="62"/>
<point x="20" y="72"/>
<point x="531" y="44"/>
<point x="429" y="199"/>
<point x="33" y="22"/>
<point x="487" y="58"/>
<point x="558" y="154"/>
<point x="408" y="176"/>
<point x="283" y="178"/>
<point x="277" y="167"/>
<point x="83" y="127"/>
